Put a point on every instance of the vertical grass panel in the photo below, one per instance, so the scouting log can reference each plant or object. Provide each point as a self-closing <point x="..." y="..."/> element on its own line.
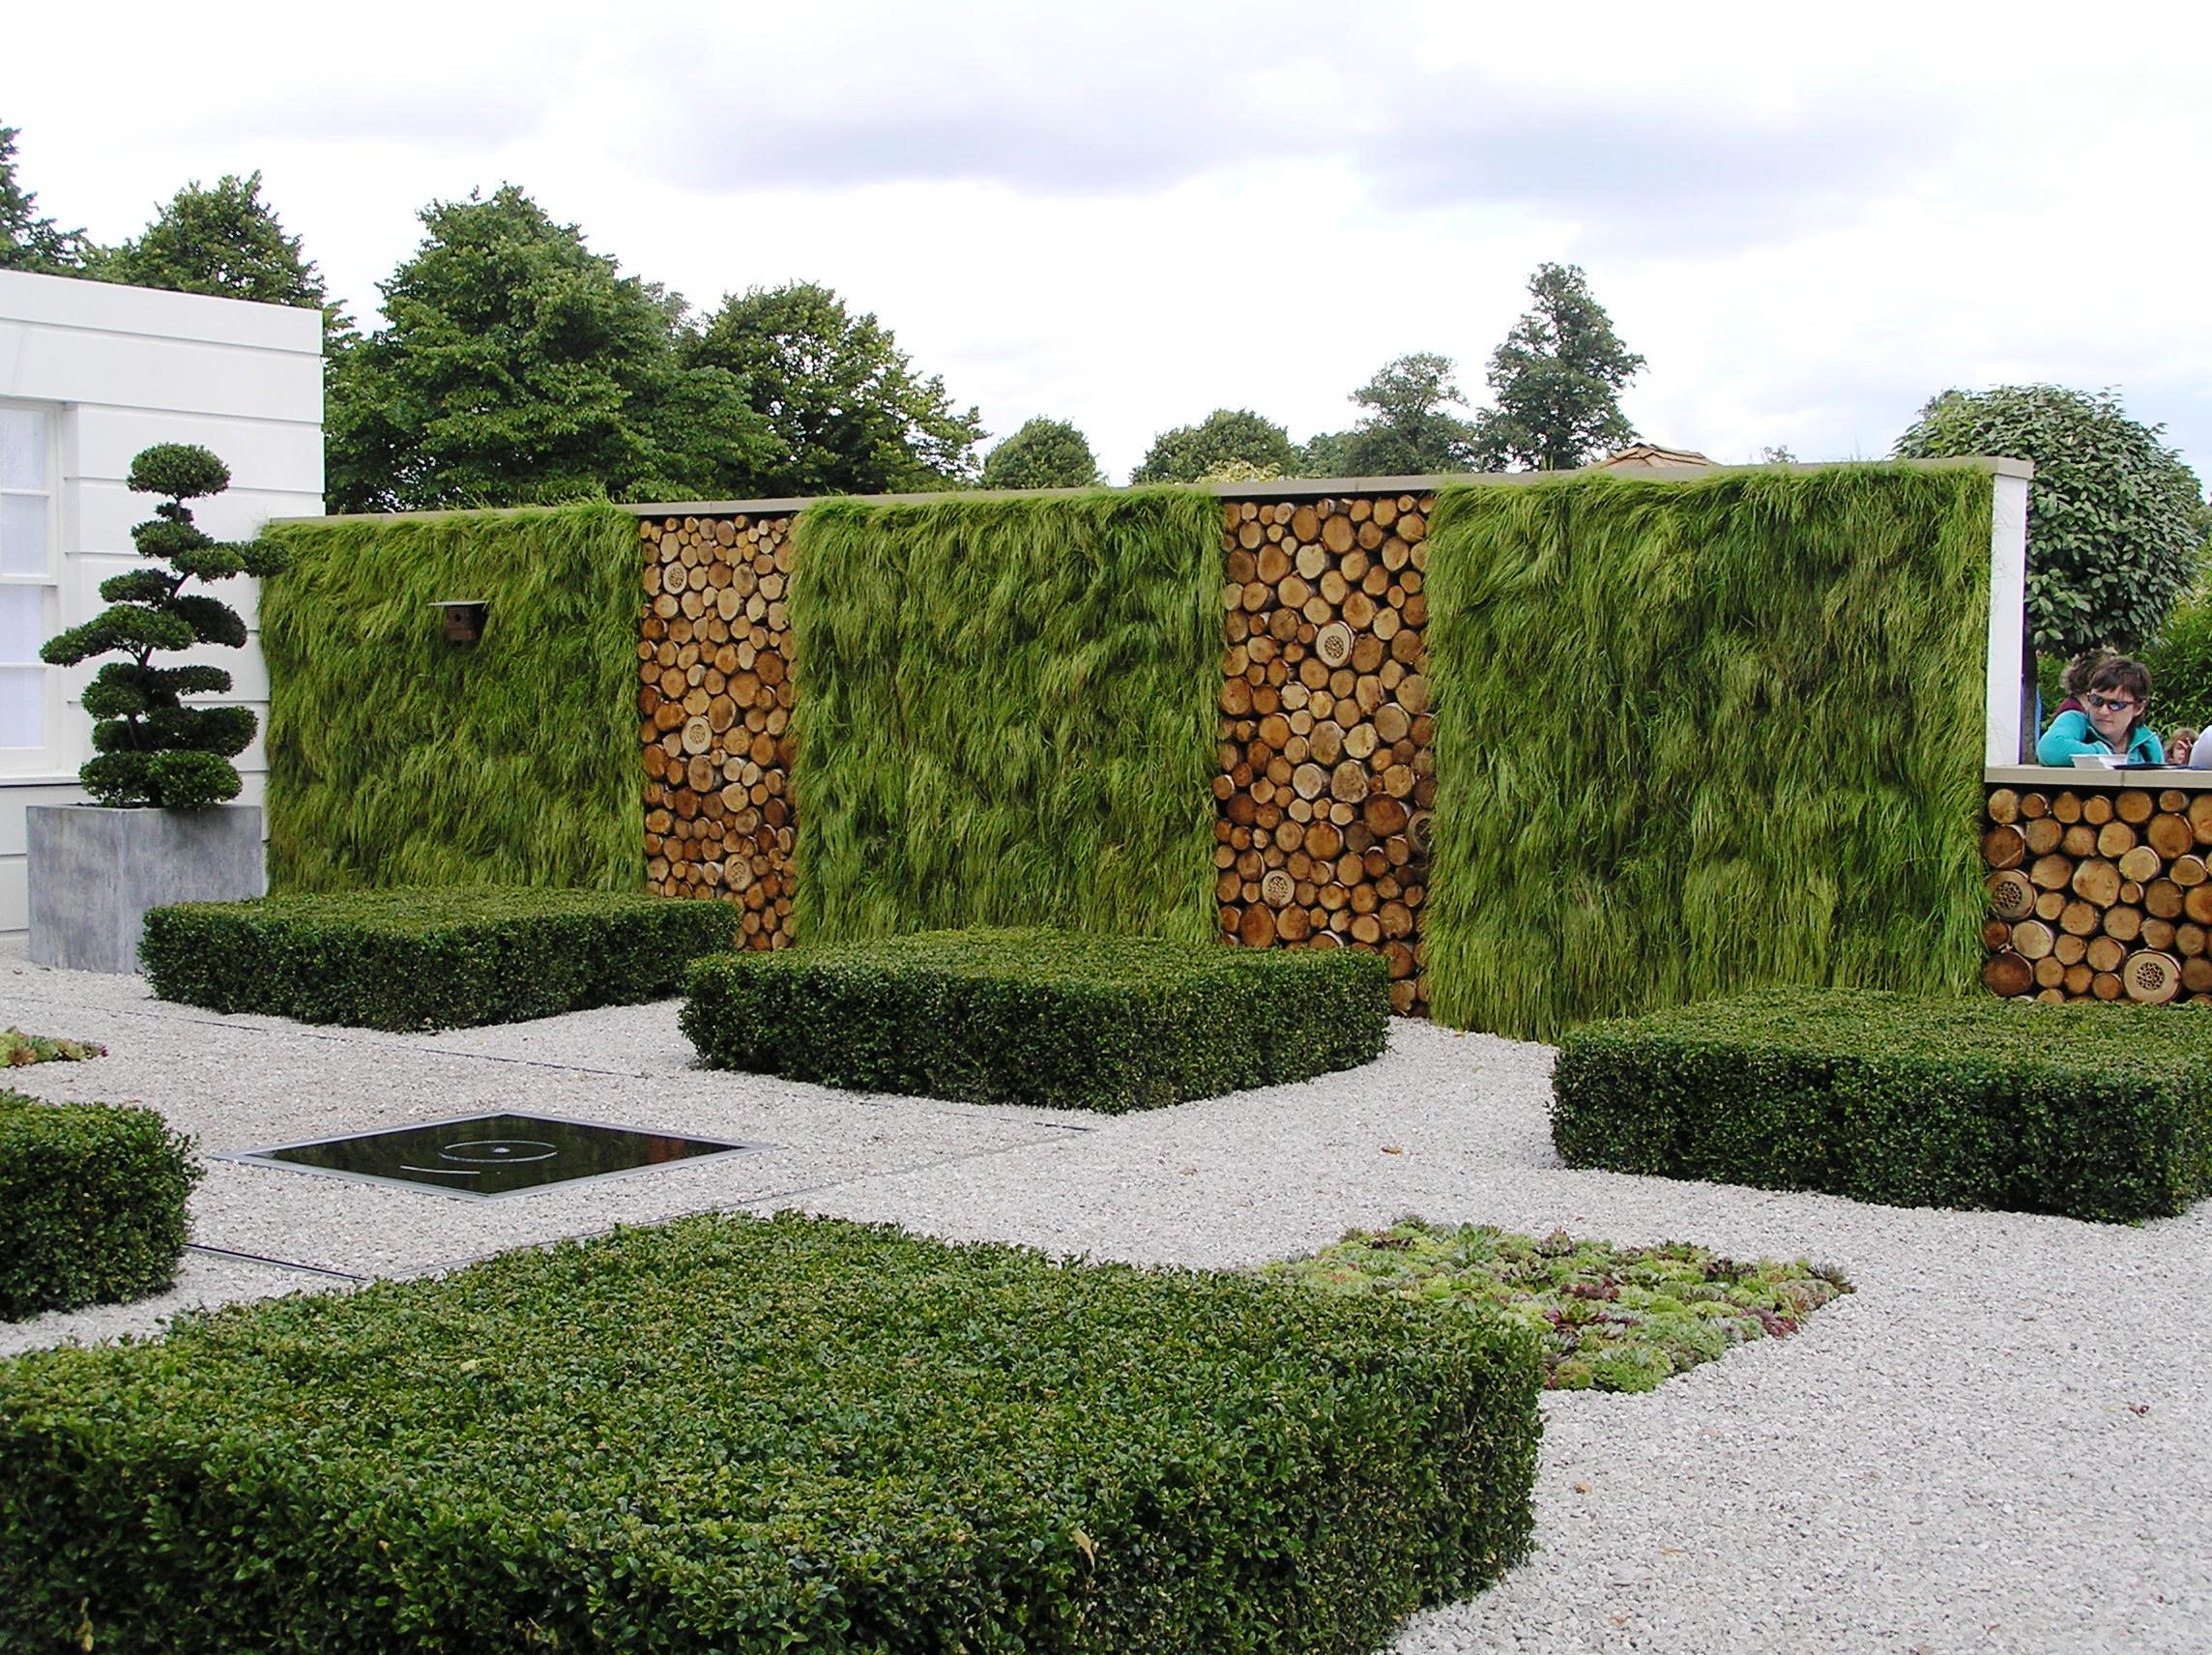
<point x="396" y="758"/>
<point x="1698" y="737"/>
<point x="1005" y="714"/>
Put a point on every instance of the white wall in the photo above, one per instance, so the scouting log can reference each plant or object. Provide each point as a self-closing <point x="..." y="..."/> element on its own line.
<point x="116" y="369"/>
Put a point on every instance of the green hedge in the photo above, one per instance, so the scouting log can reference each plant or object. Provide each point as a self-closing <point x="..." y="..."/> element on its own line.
<point x="92" y="1204"/>
<point x="1007" y="713"/>
<point x="747" y="1434"/>
<point x="428" y="959"/>
<point x="1696" y="738"/>
<point x="2091" y="1111"/>
<point x="1056" y="1019"/>
<point x="398" y="759"/>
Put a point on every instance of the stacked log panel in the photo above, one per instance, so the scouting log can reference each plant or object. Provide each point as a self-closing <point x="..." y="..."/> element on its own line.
<point x="714" y="700"/>
<point x="1326" y="774"/>
<point x="2098" y="893"/>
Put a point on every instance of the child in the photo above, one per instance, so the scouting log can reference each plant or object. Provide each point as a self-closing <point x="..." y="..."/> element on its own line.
<point x="2108" y="717"/>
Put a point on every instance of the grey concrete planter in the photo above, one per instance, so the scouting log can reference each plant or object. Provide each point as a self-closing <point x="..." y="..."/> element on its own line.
<point x="94" y="871"/>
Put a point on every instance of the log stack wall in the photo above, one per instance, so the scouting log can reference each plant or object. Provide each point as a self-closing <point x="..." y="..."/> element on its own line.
<point x="714" y="700"/>
<point x="2097" y="892"/>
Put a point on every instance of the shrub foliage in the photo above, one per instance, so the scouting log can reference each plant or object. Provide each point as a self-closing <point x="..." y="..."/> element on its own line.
<point x="92" y="1207"/>
<point x="737" y="1433"/>
<point x="1040" y="1017"/>
<point x="152" y="748"/>
<point x="396" y="758"/>
<point x="1005" y="714"/>
<point x="2092" y="1111"/>
<point x="429" y="958"/>
<point x="1698" y="737"/>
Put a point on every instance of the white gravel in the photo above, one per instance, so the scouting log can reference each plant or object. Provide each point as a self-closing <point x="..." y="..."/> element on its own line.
<point x="2001" y="1442"/>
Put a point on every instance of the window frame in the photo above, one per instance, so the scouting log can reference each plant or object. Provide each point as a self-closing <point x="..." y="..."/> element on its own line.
<point x="47" y="757"/>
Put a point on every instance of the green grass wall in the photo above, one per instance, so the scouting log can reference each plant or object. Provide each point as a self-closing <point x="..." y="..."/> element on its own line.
<point x="1005" y="714"/>
<point x="1704" y="735"/>
<point x="396" y="758"/>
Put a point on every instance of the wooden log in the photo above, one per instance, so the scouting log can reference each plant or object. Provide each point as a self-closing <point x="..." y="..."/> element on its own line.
<point x="2003" y="805"/>
<point x="2105" y="955"/>
<point x="2097" y="809"/>
<point x="2106" y="986"/>
<point x="2050" y="973"/>
<point x="2079" y="840"/>
<point x="2135" y="806"/>
<point x="2155" y="934"/>
<point x="2197" y="903"/>
<point x="2189" y="939"/>
<point x="2188" y="872"/>
<point x="2070" y="951"/>
<point x="2171" y="835"/>
<point x="2077" y="980"/>
<point x="2115" y="839"/>
<point x="2031" y="939"/>
<point x="2097" y="881"/>
<point x="2007" y="974"/>
<point x="2052" y="873"/>
<point x="2196" y="974"/>
<point x="2033" y="807"/>
<point x="2200" y="818"/>
<point x="2162" y="897"/>
<point x="2080" y="919"/>
<point x="2011" y="895"/>
<point x="2050" y="904"/>
<point x="2140" y="864"/>
<point x="2067" y="808"/>
<point x="2004" y="847"/>
<point x="2122" y="921"/>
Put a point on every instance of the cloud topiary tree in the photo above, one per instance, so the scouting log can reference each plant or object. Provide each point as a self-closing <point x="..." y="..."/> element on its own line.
<point x="152" y="749"/>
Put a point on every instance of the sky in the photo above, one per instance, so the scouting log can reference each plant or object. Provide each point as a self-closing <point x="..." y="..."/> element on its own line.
<point x="1128" y="214"/>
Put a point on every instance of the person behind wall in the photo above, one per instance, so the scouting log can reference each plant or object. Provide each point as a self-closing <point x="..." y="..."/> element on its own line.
<point x="2110" y="717"/>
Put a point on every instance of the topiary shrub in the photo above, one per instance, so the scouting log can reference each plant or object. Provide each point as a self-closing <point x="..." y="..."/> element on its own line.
<point x="92" y="1204"/>
<point x="152" y="749"/>
<point x="1056" y="1019"/>
<point x="2091" y="1111"/>
<point x="750" y="1434"/>
<point x="442" y="958"/>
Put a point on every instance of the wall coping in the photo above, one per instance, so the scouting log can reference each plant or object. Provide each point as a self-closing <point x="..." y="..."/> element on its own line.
<point x="2048" y="778"/>
<point x="1267" y="488"/>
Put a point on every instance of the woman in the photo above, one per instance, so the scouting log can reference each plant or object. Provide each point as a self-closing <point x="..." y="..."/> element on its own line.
<point x="2110" y="719"/>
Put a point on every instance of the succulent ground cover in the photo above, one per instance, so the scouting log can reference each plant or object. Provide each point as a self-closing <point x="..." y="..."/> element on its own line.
<point x="1611" y="1318"/>
<point x="18" y="1049"/>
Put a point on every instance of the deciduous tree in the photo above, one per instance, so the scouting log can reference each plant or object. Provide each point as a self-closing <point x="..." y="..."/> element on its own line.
<point x="1188" y="453"/>
<point x="1557" y="381"/>
<point x="2115" y="521"/>
<point x="1406" y="428"/>
<point x="845" y="410"/>
<point x="1044" y="453"/>
<point x="27" y="240"/>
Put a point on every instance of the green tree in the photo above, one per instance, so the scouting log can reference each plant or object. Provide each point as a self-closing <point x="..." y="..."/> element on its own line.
<point x="845" y="410"/>
<point x="1188" y="453"/>
<point x="1557" y="381"/>
<point x="2115" y="521"/>
<point x="225" y="241"/>
<point x="1407" y="430"/>
<point x="28" y="242"/>
<point x="516" y="365"/>
<point x="154" y="750"/>
<point x="1044" y="453"/>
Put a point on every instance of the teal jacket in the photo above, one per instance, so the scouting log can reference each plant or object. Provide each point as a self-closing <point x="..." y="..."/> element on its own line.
<point x="2071" y="732"/>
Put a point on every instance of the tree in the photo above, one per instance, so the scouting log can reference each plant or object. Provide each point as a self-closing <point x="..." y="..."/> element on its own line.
<point x="1188" y="453"/>
<point x="1044" y="453"/>
<point x="845" y="410"/>
<point x="1557" y="381"/>
<point x="28" y="242"/>
<point x="1406" y="430"/>
<point x="154" y="750"/>
<point x="2115" y="521"/>
<point x="225" y="241"/>
<point x="517" y="365"/>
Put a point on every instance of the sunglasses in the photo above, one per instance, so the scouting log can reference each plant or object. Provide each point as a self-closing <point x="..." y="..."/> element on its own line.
<point x="2107" y="703"/>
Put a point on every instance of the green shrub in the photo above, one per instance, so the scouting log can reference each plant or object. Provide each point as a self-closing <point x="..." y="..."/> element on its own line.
<point x="92" y="1204"/>
<point x="2180" y="666"/>
<point x="1056" y="1019"/>
<point x="2091" y="1111"/>
<point x="428" y="959"/>
<point x="747" y="1434"/>
<point x="18" y="1049"/>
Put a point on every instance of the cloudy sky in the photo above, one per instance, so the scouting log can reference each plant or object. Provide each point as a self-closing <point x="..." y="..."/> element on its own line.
<point x="1129" y="214"/>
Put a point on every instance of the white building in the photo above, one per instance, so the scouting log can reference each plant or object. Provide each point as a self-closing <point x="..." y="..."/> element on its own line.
<point x="90" y="374"/>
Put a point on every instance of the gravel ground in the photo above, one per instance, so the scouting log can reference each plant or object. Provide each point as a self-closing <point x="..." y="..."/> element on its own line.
<point x="2001" y="1442"/>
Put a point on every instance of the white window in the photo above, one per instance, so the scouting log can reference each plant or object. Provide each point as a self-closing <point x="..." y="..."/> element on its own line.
<point x="29" y="582"/>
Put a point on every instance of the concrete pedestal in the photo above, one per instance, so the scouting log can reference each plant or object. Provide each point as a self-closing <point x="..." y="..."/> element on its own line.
<point x="95" y="870"/>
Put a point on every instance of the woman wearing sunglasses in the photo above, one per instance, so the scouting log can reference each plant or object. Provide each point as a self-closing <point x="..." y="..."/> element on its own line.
<point x="2109" y="720"/>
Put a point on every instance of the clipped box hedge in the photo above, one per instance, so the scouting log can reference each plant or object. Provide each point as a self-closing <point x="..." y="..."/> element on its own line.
<point x="2091" y="1111"/>
<point x="92" y="1204"/>
<point x="733" y="1434"/>
<point x="442" y="958"/>
<point x="1062" y="1020"/>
